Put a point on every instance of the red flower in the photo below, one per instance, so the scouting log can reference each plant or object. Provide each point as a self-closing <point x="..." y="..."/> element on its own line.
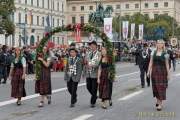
<point x="82" y="25"/>
<point x="47" y="34"/>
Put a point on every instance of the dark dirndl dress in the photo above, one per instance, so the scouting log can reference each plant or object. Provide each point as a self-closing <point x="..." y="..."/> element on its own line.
<point x="43" y="85"/>
<point x="159" y="76"/>
<point x="104" y="86"/>
<point x="17" y="83"/>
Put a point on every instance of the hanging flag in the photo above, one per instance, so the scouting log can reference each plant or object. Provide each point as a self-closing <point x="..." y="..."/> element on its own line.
<point x="50" y="44"/>
<point x="29" y="17"/>
<point x="125" y="29"/>
<point x="48" y="21"/>
<point x="132" y="31"/>
<point x="108" y="27"/>
<point x="141" y="31"/>
<point x="78" y="33"/>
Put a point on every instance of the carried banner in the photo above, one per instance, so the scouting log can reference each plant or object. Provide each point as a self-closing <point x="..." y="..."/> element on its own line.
<point x="132" y="30"/>
<point x="141" y="31"/>
<point x="174" y="42"/>
<point x="108" y="27"/>
<point x="78" y="33"/>
<point x="29" y="18"/>
<point x="125" y="28"/>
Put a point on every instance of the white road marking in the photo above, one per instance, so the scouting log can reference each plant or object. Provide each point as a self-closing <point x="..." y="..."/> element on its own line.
<point x="176" y="75"/>
<point x="84" y="117"/>
<point x="125" y="75"/>
<point x="35" y="96"/>
<point x="4" y="103"/>
<point x="130" y="95"/>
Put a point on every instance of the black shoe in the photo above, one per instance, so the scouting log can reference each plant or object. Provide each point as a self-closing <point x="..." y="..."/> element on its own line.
<point x="72" y="105"/>
<point x="110" y="102"/>
<point x="157" y="105"/>
<point x="143" y="86"/>
<point x="93" y="105"/>
<point x="41" y="104"/>
<point x="49" y="99"/>
<point x="4" y="82"/>
<point x="18" y="102"/>
<point x="159" y="108"/>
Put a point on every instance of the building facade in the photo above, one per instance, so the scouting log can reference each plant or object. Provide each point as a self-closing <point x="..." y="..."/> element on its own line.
<point x="33" y="18"/>
<point x="79" y="10"/>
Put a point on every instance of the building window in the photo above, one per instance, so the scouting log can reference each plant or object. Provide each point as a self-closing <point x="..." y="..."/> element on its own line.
<point x="165" y="4"/>
<point x="25" y="1"/>
<point x="155" y="15"/>
<point x="90" y="7"/>
<point x="146" y="15"/>
<point x="73" y="20"/>
<point x="118" y="6"/>
<point x="19" y="17"/>
<point x="166" y="14"/>
<point x="38" y="38"/>
<point x="58" y="41"/>
<point x="58" y="6"/>
<point x="53" y="39"/>
<point x="127" y="6"/>
<point x="32" y="22"/>
<point x="73" y="8"/>
<point x="48" y="4"/>
<point x="62" y="22"/>
<point x="82" y="19"/>
<point x="62" y="40"/>
<point x="62" y="7"/>
<point x="136" y="5"/>
<point x="43" y="21"/>
<point x="53" y="5"/>
<point x="82" y="8"/>
<point x="26" y="18"/>
<point x="37" y="3"/>
<point x="37" y="20"/>
<point x="146" y="5"/>
<point x="42" y="3"/>
<point x="155" y="5"/>
<point x="127" y="15"/>
<point x="58" y="22"/>
<point x="32" y="2"/>
<point x="53" y="22"/>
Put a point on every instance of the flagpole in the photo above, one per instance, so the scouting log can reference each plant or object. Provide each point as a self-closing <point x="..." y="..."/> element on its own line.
<point x="51" y="17"/>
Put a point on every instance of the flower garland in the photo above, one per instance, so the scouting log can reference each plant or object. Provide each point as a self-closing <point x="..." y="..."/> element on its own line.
<point x="83" y="27"/>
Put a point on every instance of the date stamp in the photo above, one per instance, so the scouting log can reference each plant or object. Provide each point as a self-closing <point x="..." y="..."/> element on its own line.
<point x="156" y="114"/>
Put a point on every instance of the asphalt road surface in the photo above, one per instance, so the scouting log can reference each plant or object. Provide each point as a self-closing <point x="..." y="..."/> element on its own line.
<point x="130" y="101"/>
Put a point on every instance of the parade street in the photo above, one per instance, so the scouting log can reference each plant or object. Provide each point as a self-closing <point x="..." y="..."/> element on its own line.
<point x="130" y="101"/>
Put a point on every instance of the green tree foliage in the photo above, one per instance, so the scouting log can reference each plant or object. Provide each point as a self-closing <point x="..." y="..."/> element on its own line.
<point x="6" y="9"/>
<point x="150" y="25"/>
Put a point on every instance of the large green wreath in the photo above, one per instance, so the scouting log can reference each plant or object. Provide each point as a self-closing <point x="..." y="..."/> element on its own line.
<point x="86" y="28"/>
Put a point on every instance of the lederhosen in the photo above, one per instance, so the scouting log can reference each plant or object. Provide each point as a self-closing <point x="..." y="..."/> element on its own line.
<point x="71" y="85"/>
<point x="92" y="84"/>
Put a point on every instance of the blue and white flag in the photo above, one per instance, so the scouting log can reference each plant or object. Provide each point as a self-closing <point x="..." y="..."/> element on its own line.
<point x="48" y="21"/>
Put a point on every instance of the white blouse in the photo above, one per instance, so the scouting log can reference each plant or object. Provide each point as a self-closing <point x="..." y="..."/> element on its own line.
<point x="23" y="61"/>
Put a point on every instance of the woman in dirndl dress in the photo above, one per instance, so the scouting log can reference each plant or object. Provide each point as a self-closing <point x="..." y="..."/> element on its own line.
<point x="17" y="76"/>
<point x="159" y="70"/>
<point x="43" y="85"/>
<point x="105" y="84"/>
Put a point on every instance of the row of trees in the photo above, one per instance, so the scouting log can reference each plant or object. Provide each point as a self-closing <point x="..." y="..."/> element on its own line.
<point x="6" y="10"/>
<point x="165" y="22"/>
